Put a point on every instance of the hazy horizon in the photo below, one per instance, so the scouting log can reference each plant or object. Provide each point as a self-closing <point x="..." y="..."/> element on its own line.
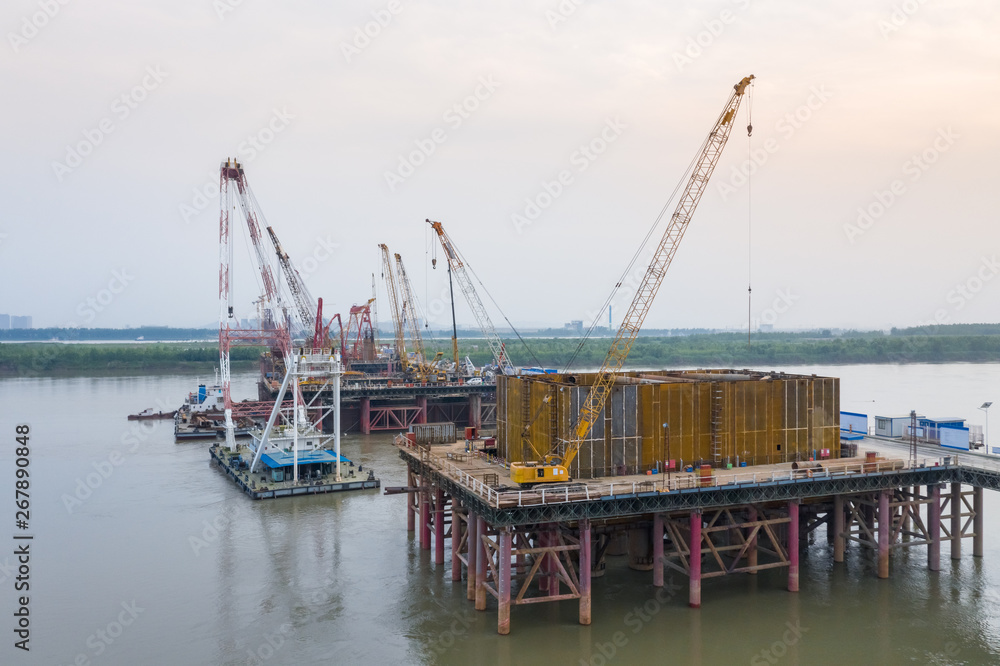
<point x="872" y="201"/>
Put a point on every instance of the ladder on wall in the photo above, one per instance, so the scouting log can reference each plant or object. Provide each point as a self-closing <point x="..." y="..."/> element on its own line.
<point x="718" y="398"/>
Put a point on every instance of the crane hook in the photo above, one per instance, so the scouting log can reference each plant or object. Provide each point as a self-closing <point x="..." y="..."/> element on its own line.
<point x="749" y="130"/>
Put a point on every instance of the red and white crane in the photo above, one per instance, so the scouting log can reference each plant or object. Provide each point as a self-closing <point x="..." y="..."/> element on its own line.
<point x="272" y="330"/>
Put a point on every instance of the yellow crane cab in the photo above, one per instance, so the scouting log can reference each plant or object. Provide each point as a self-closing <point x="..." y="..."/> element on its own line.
<point x="532" y="473"/>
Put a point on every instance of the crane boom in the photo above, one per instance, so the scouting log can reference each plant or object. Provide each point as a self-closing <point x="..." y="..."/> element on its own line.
<point x="305" y="304"/>
<point x="410" y="312"/>
<point x="397" y="317"/>
<point x="475" y="304"/>
<point x="711" y="150"/>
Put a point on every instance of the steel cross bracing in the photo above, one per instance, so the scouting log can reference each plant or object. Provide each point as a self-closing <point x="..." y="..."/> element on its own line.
<point x="662" y="258"/>
<point x="711" y="497"/>
<point x="472" y="298"/>
<point x="410" y="313"/>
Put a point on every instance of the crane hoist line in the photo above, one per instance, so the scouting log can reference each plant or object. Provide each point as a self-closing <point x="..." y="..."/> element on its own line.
<point x="554" y="465"/>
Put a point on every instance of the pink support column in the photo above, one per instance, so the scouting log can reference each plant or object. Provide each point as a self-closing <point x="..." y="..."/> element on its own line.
<point x="752" y="548"/>
<point x="481" y="566"/>
<point x="884" y="522"/>
<point x="503" y="585"/>
<point x="365" y="416"/>
<point x="425" y="517"/>
<point x="472" y="551"/>
<point x="411" y="518"/>
<point x="838" y="528"/>
<point x="694" y="589"/>
<point x="793" y="546"/>
<point x="457" y="530"/>
<point x="585" y="569"/>
<point x="422" y="404"/>
<point x="956" y="521"/>
<point x="977" y="522"/>
<point x="439" y="526"/>
<point x="934" y="527"/>
<point x="657" y="550"/>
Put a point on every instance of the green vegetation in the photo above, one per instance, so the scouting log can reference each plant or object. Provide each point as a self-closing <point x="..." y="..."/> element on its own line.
<point x="730" y="350"/>
<point x="973" y="343"/>
<point x="54" y="359"/>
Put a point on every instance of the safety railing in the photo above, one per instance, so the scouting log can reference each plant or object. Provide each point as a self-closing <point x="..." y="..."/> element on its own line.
<point x="584" y="491"/>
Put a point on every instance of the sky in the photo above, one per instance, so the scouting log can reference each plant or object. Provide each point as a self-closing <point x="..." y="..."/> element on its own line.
<point x="546" y="136"/>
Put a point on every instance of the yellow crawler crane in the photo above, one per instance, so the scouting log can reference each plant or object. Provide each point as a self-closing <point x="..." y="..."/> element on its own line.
<point x="554" y="465"/>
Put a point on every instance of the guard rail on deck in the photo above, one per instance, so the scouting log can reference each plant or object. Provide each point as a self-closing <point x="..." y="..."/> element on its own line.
<point x="582" y="491"/>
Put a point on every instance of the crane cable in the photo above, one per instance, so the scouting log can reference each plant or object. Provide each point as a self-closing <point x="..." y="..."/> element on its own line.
<point x="749" y="214"/>
<point x="635" y="257"/>
<point x="524" y="344"/>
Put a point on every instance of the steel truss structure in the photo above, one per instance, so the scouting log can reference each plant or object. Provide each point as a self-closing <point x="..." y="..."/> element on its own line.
<point x="537" y="554"/>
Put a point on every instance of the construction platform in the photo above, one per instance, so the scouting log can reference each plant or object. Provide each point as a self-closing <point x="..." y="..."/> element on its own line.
<point x="547" y="543"/>
<point x="385" y="405"/>
<point x="257" y="486"/>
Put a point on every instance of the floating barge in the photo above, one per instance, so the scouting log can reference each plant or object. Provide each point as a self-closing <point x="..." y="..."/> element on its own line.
<point x="260" y="486"/>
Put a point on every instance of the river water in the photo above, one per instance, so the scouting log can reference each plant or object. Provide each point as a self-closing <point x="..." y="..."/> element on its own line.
<point x="143" y="554"/>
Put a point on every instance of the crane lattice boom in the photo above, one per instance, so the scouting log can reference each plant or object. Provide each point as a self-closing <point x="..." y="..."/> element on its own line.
<point x="410" y="312"/>
<point x="305" y="304"/>
<point x="475" y="304"/>
<point x="397" y="316"/>
<point x="643" y="299"/>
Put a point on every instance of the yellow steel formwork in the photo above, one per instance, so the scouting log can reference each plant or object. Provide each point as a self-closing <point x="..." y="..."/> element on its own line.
<point x="714" y="417"/>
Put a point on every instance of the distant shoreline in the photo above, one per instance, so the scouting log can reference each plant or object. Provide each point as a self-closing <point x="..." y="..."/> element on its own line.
<point x="55" y="359"/>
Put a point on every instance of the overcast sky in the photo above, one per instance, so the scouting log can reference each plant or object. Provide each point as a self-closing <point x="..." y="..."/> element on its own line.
<point x="117" y="115"/>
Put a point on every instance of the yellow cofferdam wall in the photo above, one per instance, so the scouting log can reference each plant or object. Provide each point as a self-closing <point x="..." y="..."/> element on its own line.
<point x="717" y="417"/>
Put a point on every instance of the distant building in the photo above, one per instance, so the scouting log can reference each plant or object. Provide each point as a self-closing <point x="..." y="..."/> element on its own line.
<point x="4" y="322"/>
<point x="20" y="322"/>
<point x="575" y="325"/>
